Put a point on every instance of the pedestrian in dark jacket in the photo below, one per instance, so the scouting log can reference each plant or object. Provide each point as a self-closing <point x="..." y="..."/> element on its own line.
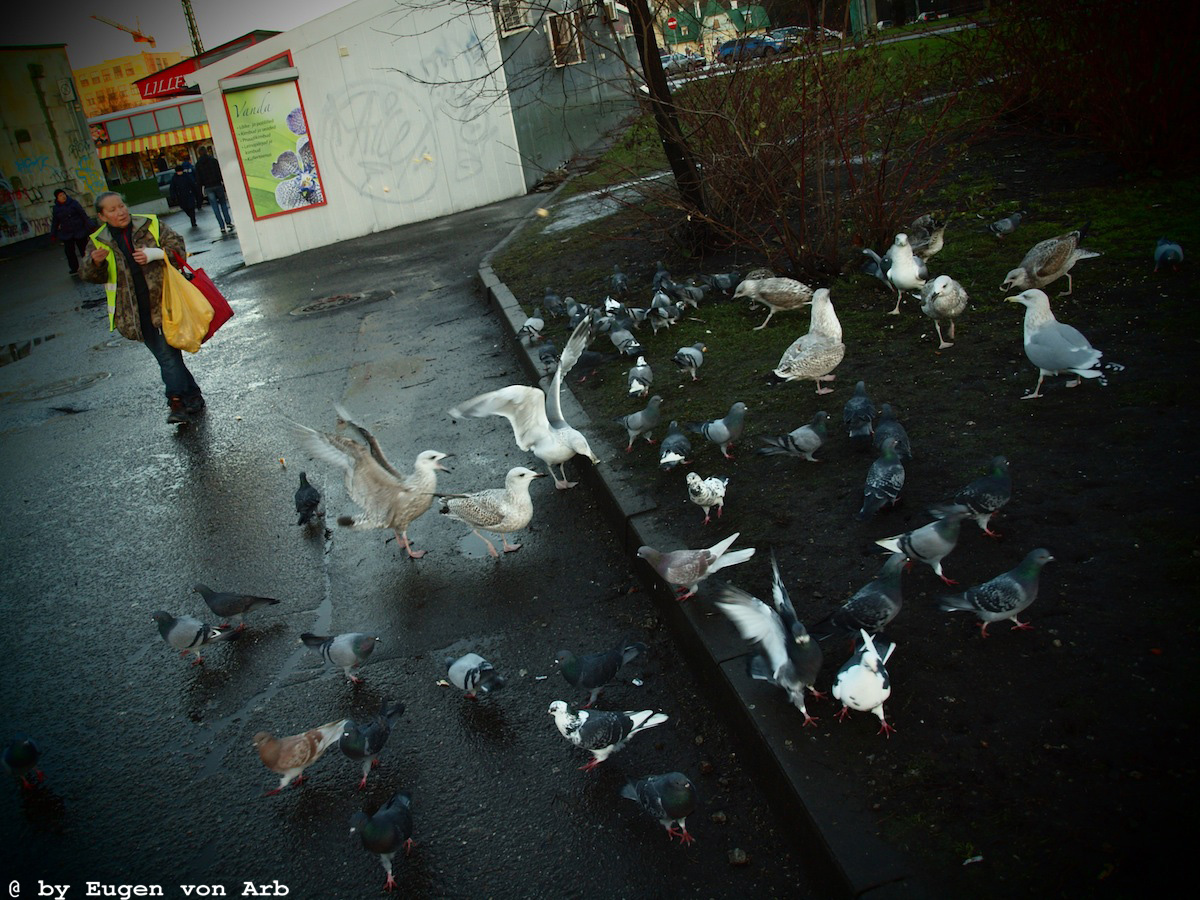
<point x="208" y="173"/>
<point x="70" y="223"/>
<point x="184" y="192"/>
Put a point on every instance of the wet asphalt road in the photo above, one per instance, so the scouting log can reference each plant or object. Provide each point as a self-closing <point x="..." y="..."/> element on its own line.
<point x="112" y="514"/>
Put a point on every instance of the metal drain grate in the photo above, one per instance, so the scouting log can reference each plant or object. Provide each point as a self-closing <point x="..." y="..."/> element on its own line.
<point x="64" y="386"/>
<point x="328" y="304"/>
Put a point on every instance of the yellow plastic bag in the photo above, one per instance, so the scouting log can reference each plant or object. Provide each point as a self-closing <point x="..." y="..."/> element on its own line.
<point x="185" y="311"/>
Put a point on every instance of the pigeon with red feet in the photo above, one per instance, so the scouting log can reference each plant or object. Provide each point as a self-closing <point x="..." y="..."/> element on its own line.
<point x="366" y="741"/>
<point x="723" y="431"/>
<point x="1004" y="597"/>
<point x="386" y="832"/>
<point x="862" y="683"/>
<point x="473" y="674"/>
<point x="931" y="543"/>
<point x="349" y="650"/>
<point x="685" y="569"/>
<point x="19" y="758"/>
<point x="670" y="798"/>
<point x="290" y="756"/>
<point x="227" y="604"/>
<point x="985" y="496"/>
<point x="600" y="731"/>
<point x="188" y="635"/>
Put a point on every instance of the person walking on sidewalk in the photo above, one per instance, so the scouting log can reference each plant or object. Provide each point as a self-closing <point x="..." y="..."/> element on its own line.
<point x="128" y="256"/>
<point x="208" y="173"/>
<point x="184" y="192"/>
<point x="70" y="224"/>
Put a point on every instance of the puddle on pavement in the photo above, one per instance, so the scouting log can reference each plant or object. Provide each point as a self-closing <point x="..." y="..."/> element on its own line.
<point x="338" y="301"/>
<point x="473" y="547"/>
<point x="11" y="353"/>
<point x="64" y="386"/>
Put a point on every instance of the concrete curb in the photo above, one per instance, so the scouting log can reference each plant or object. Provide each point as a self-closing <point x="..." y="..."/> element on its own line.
<point x="853" y="861"/>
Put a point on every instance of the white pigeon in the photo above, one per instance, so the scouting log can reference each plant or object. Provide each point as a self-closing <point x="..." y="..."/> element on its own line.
<point x="1052" y="346"/>
<point x="943" y="299"/>
<point x="536" y="417"/>
<point x="601" y="731"/>
<point x="1048" y="261"/>
<point x="776" y="294"/>
<point x="685" y="569"/>
<point x="862" y="683"/>
<point x="532" y="329"/>
<point x="707" y="493"/>
<point x="498" y="510"/>
<point x="903" y="271"/>
<point x="814" y="355"/>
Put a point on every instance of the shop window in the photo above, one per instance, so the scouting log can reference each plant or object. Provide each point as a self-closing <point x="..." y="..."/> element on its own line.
<point x="169" y="118"/>
<point x="193" y="113"/>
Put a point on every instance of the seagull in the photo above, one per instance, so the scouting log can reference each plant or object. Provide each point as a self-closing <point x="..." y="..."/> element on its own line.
<point x="592" y="671"/>
<point x="387" y="498"/>
<point x="473" y="674"/>
<point x="600" y="731"/>
<point x="290" y="756"/>
<point x="386" y="831"/>
<point x="707" y="493"/>
<point x="1048" y="261"/>
<point x="927" y="236"/>
<point x="689" y="359"/>
<point x="776" y="294"/>
<point x="889" y="426"/>
<point x="536" y="417"/>
<point x="308" y="501"/>
<point x="641" y="376"/>
<point x="814" y="355"/>
<point x="349" y="651"/>
<point x="1005" y="596"/>
<point x="498" y="510"/>
<point x="228" y="605"/>
<point x="930" y="543"/>
<point x="943" y="299"/>
<point x="858" y="415"/>
<point x="804" y="441"/>
<point x="365" y="742"/>
<point x="984" y="496"/>
<point x="188" y="635"/>
<point x="685" y="569"/>
<point x="1167" y="252"/>
<point x="862" y="683"/>
<point x="885" y="479"/>
<point x="725" y="430"/>
<point x="670" y="798"/>
<point x="1007" y="225"/>
<point x="674" y="449"/>
<point x="902" y="272"/>
<point x="872" y="607"/>
<point x="1053" y="347"/>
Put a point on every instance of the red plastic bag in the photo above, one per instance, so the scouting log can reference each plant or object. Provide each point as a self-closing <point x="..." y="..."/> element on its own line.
<point x="222" y="311"/>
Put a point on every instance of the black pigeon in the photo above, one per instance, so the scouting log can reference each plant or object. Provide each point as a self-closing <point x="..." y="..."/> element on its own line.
<point x="888" y="426"/>
<point x="19" y="758"/>
<point x="308" y="501"/>
<point x="984" y="496"/>
<point x="227" y="605"/>
<point x="591" y="360"/>
<point x="594" y="670"/>
<point x="386" y="831"/>
<point x="884" y="481"/>
<point x="364" y="742"/>
<point x="670" y="798"/>
<point x="674" y="449"/>
<point x="859" y="416"/>
<point x="871" y="608"/>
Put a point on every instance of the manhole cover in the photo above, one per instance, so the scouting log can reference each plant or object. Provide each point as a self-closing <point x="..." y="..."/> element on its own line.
<point x="10" y="353"/>
<point x="328" y="304"/>
<point x="111" y="344"/>
<point x="65" y="386"/>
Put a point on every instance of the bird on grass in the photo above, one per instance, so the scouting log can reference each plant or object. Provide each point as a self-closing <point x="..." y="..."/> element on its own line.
<point x="858" y="415"/>
<point x="889" y="426"/>
<point x="19" y="758"/>
<point x="364" y="742"/>
<point x="862" y="683"/>
<point x="685" y="569"/>
<point x="931" y="543"/>
<point x="308" y="501"/>
<point x="872" y="607"/>
<point x="1007" y="225"/>
<point x="386" y="832"/>
<point x="498" y="510"/>
<point x="689" y="359"/>
<point x="641" y="376"/>
<point x="943" y="300"/>
<point x="618" y="282"/>
<point x="985" y="496"/>
<point x="592" y="671"/>
<point x="707" y="493"/>
<point x="902" y="272"/>
<point x="725" y="430"/>
<point x="641" y="423"/>
<point x="804" y="441"/>
<point x="600" y="731"/>
<point x="815" y="354"/>
<point x="885" y="479"/>
<point x="290" y="756"/>
<point x="1048" y="261"/>
<point x="776" y="294"/>
<point x="670" y="798"/>
<point x="473" y="674"/>
<point x="1167" y="253"/>
<point x="227" y="605"/>
<point x="1053" y="346"/>
<point x="927" y="236"/>
<point x="674" y="449"/>
<point x="1004" y="597"/>
<point x="188" y="635"/>
<point x="348" y="651"/>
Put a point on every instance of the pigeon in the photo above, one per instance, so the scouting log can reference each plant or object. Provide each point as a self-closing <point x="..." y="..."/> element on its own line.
<point x="593" y="671"/>
<point x="926" y="236"/>
<point x="942" y="300"/>
<point x="885" y="479"/>
<point x="386" y="831"/>
<point x="536" y="416"/>
<point x="589" y="361"/>
<point x="601" y="731"/>
<point x="664" y="316"/>
<point x="348" y="650"/>
<point x="19" y="758"/>
<point x="365" y="742"/>
<point x="724" y="431"/>
<point x="473" y="674"/>
<point x="626" y="343"/>
<point x="1054" y="347"/>
<point x="227" y="605"/>
<point x="532" y="328"/>
<point x="984" y="496"/>
<point x="642" y="422"/>
<point x="387" y="498"/>
<point x="804" y="441"/>
<point x="1048" y="261"/>
<point x="619" y="282"/>
<point x="888" y="426"/>
<point x="548" y="357"/>
<point x="662" y="278"/>
<point x="1005" y="596"/>
<point x="670" y="798"/>
<point x="1007" y="225"/>
<point x="930" y="543"/>
<point x="685" y="569"/>
<point x="641" y="376"/>
<point x="308" y="501"/>
<point x="498" y="510"/>
<point x="1167" y="252"/>
<point x="776" y="294"/>
<point x="722" y="281"/>
<point x="862" y="683"/>
<point x="707" y="493"/>
<point x="871" y="608"/>
<point x="188" y="635"/>
<point x="689" y="359"/>
<point x="815" y="354"/>
<point x="858" y="414"/>
<point x="789" y="657"/>
<point x="290" y="756"/>
<point x="674" y="449"/>
<point x="553" y="303"/>
<point x="902" y="272"/>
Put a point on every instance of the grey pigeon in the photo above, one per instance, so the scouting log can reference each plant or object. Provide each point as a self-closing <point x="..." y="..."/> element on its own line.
<point x="1007" y="225"/>
<point x="640" y="376"/>
<point x="903" y="271"/>
<point x="473" y="674"/>
<point x="1048" y="261"/>
<point x="670" y="798"/>
<point x="19" y="758"/>
<point x="664" y="316"/>
<point x="685" y="569"/>
<point x="626" y="343"/>
<point x="548" y="357"/>
<point x="188" y="635"/>
<point x="553" y="303"/>
<point x="308" y="501"/>
<point x="227" y="605"/>
<point x="885" y="479"/>
<point x="931" y="543"/>
<point x="872" y="607"/>
<point x="1053" y="346"/>
<point x="876" y="266"/>
<point x="723" y="431"/>
<point x="789" y="657"/>
<point x="707" y="493"/>
<point x="641" y="423"/>
<point x="592" y="671"/>
<point x="619" y="282"/>
<point x="985" y="496"/>
<point x="862" y="683"/>
<point x="366" y="741"/>
<point x="804" y="441"/>
<point x="674" y="449"/>
<point x="387" y="831"/>
<point x="689" y="359"/>
<point x="662" y="278"/>
<point x="601" y="731"/>
<point x="888" y="426"/>
<point x="349" y="651"/>
<point x="858" y="415"/>
<point x="723" y="281"/>
<point x="943" y="300"/>
<point x="1005" y="596"/>
<point x="1167" y="253"/>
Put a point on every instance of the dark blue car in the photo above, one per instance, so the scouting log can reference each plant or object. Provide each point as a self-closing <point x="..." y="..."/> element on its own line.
<point x="759" y="46"/>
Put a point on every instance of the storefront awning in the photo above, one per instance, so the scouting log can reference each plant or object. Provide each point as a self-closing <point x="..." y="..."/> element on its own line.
<point x="155" y="141"/>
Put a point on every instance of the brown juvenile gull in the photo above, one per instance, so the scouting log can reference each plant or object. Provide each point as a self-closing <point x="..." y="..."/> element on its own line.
<point x="942" y="300"/>
<point x="1048" y="261"/>
<point x="927" y="235"/>
<point x="816" y="354"/>
<point x="498" y="510"/>
<point x="1053" y="346"/>
<point x="776" y="294"/>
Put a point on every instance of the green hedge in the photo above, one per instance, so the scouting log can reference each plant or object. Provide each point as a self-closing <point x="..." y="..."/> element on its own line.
<point x="139" y="191"/>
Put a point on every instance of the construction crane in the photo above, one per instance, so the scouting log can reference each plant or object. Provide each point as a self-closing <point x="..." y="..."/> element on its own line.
<point x="136" y="32"/>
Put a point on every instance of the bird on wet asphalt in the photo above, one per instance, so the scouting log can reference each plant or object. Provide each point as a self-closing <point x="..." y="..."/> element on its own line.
<point x="364" y="742"/>
<point x="804" y="441"/>
<point x="386" y="832"/>
<point x="1004" y="597"/>
<point x="872" y="607"/>
<point x="498" y="510"/>
<point x="308" y="501"/>
<point x="670" y="798"/>
<point x="685" y="569"/>
<point x="1053" y="346"/>
<point x="707" y="493"/>
<point x="227" y="605"/>
<point x="885" y="480"/>
<point x="689" y="359"/>
<point x="985" y="496"/>
<point x="643" y="422"/>
<point x="20" y="758"/>
<point x="862" y="683"/>
<point x="187" y="634"/>
<point x="930" y="543"/>
<point x="723" y="431"/>
<point x="600" y="731"/>
<point x="674" y="449"/>
<point x="290" y="756"/>
<point x="858" y="415"/>
<point x="592" y="671"/>
<point x="1047" y="261"/>
<point x="473" y="674"/>
<point x="349" y="651"/>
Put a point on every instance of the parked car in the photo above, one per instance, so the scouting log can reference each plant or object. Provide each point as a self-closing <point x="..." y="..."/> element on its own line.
<point x="789" y="36"/>
<point x="681" y="63"/>
<point x="759" y="46"/>
<point x="883" y="23"/>
<point x="932" y="16"/>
